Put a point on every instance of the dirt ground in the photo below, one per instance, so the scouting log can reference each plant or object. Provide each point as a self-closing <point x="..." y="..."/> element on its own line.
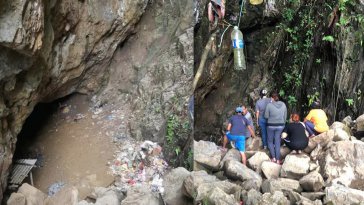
<point x="75" y="146"/>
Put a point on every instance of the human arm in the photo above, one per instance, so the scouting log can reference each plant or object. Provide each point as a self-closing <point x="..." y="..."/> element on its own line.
<point x="226" y="140"/>
<point x="266" y="113"/>
<point x="257" y="116"/>
<point x="250" y="128"/>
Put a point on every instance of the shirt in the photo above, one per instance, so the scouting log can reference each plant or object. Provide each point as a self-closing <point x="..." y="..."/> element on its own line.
<point x="261" y="105"/>
<point x="319" y="119"/>
<point x="238" y="125"/>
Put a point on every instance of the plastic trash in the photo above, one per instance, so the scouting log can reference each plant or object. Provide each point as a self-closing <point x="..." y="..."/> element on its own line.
<point x="238" y="47"/>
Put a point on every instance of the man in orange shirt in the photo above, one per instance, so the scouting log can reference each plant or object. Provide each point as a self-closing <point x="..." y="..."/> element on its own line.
<point x="316" y="120"/>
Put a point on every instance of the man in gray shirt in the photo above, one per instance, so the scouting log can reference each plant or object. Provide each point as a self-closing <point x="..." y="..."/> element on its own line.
<point x="261" y="121"/>
<point x="248" y="116"/>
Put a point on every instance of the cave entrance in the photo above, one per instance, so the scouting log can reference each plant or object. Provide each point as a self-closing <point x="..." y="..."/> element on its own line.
<point x="69" y="142"/>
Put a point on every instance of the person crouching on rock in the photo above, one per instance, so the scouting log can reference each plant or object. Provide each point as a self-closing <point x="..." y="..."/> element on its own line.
<point x="316" y="120"/>
<point x="236" y="130"/>
<point x="295" y="135"/>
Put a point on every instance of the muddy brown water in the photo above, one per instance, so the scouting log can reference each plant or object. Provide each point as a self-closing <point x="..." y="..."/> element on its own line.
<point x="73" y="151"/>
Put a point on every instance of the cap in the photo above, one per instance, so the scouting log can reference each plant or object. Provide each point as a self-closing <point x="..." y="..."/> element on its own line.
<point x="263" y="92"/>
<point x="239" y="109"/>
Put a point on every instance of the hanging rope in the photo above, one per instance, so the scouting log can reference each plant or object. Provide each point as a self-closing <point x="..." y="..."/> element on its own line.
<point x="241" y="11"/>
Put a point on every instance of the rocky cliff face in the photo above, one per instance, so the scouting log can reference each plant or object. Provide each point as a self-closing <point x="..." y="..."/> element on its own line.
<point x="50" y="49"/>
<point x="305" y="50"/>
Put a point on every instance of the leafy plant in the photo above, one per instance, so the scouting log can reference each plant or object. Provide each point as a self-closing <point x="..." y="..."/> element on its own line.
<point x="328" y="38"/>
<point x="313" y="97"/>
<point x="349" y="101"/>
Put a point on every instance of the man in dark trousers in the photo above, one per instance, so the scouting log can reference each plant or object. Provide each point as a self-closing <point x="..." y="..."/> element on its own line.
<point x="236" y="130"/>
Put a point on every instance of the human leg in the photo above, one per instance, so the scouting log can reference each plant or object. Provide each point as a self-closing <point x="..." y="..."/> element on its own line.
<point x="277" y="141"/>
<point x="240" y="145"/>
<point x="243" y="158"/>
<point x="310" y="128"/>
<point x="270" y="137"/>
<point x="263" y="126"/>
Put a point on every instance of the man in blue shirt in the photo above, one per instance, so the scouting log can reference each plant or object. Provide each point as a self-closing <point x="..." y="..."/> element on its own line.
<point x="236" y="131"/>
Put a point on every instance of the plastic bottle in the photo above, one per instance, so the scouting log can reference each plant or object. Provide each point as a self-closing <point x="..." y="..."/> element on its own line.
<point x="238" y="47"/>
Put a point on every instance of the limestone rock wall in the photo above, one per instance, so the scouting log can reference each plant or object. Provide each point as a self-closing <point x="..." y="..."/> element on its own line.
<point x="49" y="49"/>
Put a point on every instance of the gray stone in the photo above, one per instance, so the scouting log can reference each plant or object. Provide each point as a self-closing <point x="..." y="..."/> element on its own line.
<point x="203" y="191"/>
<point x="253" y="197"/>
<point x="253" y="143"/>
<point x="295" y="166"/>
<point x="173" y="185"/>
<point x="360" y="123"/>
<point x="343" y="163"/>
<point x="207" y="154"/>
<point x="237" y="170"/>
<point x="232" y="154"/>
<point x="219" y="197"/>
<point x="140" y="195"/>
<point x="343" y="126"/>
<point x="33" y="196"/>
<point x="276" y="198"/>
<point x="16" y="199"/>
<point x="322" y="139"/>
<point x="256" y="161"/>
<point x="272" y="185"/>
<point x="271" y="169"/>
<point x="340" y="135"/>
<point x="313" y="196"/>
<point x="338" y="194"/>
<point x="192" y="182"/>
<point x="312" y="182"/>
<point x="284" y="151"/>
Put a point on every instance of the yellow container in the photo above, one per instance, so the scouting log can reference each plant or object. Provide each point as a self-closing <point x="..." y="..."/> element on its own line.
<point x="256" y="2"/>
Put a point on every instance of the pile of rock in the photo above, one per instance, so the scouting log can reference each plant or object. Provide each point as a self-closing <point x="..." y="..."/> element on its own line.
<point x="328" y="171"/>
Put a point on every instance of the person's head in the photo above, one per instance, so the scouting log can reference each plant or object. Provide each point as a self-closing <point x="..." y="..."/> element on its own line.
<point x="263" y="93"/>
<point x="274" y="96"/>
<point x="295" y="117"/>
<point x="245" y="110"/>
<point x="239" y="110"/>
<point x="316" y="105"/>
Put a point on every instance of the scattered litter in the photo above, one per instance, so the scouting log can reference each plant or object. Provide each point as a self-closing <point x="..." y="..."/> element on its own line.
<point x="54" y="188"/>
<point x="79" y="116"/>
<point x="140" y="163"/>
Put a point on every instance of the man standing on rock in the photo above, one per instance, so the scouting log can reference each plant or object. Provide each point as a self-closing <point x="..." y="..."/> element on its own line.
<point x="248" y="116"/>
<point x="236" y="131"/>
<point x="261" y="120"/>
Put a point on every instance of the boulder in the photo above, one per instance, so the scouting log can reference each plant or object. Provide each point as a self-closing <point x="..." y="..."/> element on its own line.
<point x="343" y="162"/>
<point x="253" y="143"/>
<point x="360" y="123"/>
<point x="219" y="197"/>
<point x="173" y="184"/>
<point x="312" y="182"/>
<point x="284" y="151"/>
<point x="232" y="154"/>
<point x="347" y="121"/>
<point x="33" y="195"/>
<point x="276" y="198"/>
<point x="340" y="135"/>
<point x="204" y="190"/>
<point x="256" y="161"/>
<point x="237" y="170"/>
<point x="296" y="198"/>
<point x="339" y="194"/>
<point x="272" y="185"/>
<point x="295" y="166"/>
<point x="253" y="197"/>
<point x="313" y="196"/>
<point x="140" y="195"/>
<point x="16" y="199"/>
<point x="322" y="139"/>
<point x="207" y="154"/>
<point x="271" y="169"/>
<point x="194" y="180"/>
<point x="343" y="126"/>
